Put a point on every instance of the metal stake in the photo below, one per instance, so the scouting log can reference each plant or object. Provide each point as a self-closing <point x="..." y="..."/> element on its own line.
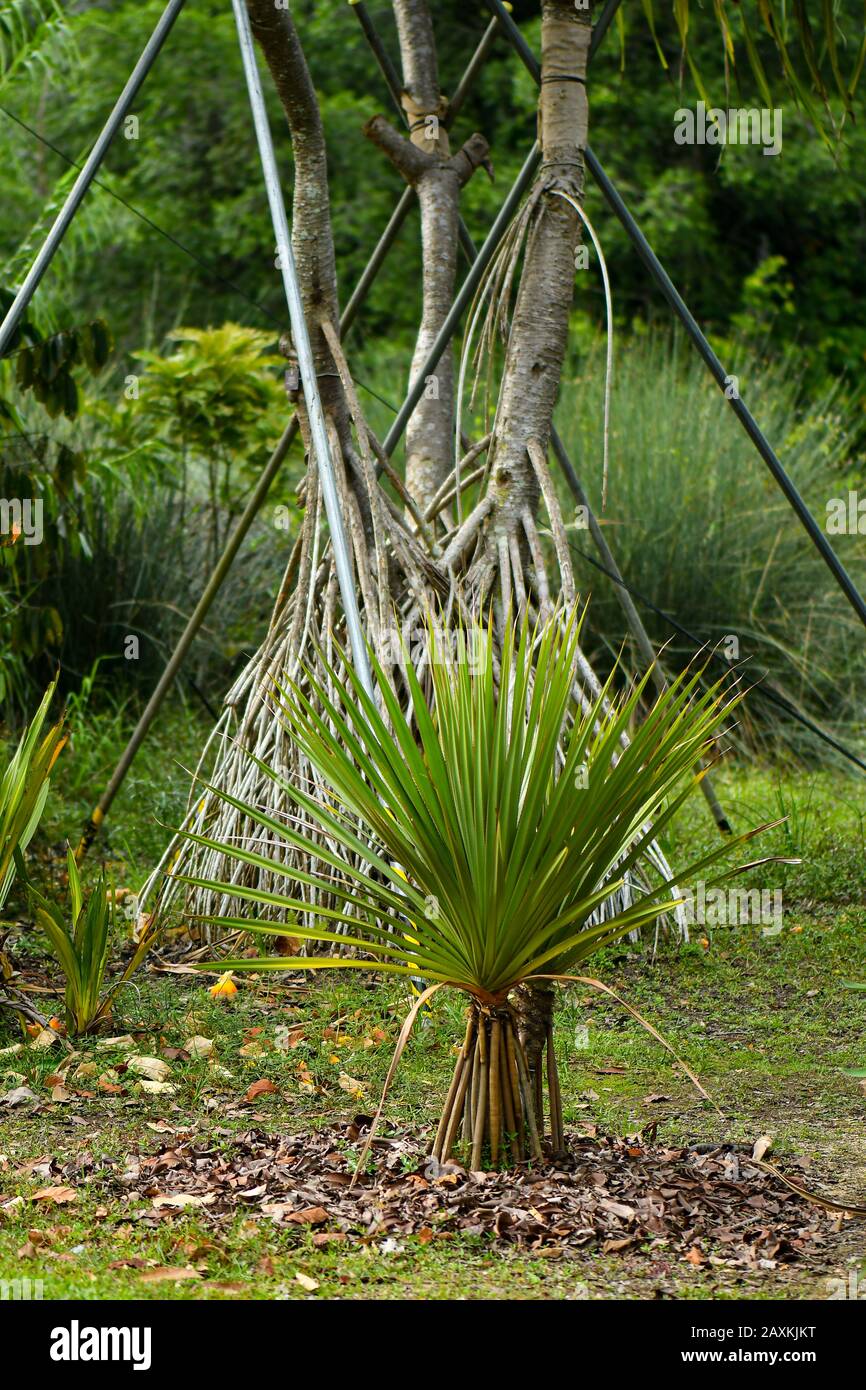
<point x="301" y="339"/>
<point x="85" y="178"/>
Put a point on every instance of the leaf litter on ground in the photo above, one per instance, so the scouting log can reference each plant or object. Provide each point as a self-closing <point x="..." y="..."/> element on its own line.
<point x="614" y="1194"/>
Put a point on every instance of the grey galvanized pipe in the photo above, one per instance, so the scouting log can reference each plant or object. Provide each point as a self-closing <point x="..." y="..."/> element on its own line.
<point x="301" y="340"/>
<point x="85" y="178"/>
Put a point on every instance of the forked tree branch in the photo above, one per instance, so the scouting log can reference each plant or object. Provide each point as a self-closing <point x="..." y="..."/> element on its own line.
<point x="424" y="160"/>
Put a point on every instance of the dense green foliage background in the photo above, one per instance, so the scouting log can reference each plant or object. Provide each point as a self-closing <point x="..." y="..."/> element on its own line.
<point x="193" y="170"/>
<point x="769" y="253"/>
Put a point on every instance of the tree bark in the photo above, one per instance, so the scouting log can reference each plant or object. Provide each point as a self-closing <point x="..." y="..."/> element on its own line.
<point x="535" y="354"/>
<point x="533" y="1006"/>
<point x="425" y="161"/>
<point x="539" y="331"/>
<point x="312" y="235"/>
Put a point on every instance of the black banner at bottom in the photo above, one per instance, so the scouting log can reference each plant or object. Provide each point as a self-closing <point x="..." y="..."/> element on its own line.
<point x="225" y="1338"/>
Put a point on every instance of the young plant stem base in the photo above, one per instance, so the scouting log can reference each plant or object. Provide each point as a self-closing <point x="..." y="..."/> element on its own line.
<point x="494" y="1110"/>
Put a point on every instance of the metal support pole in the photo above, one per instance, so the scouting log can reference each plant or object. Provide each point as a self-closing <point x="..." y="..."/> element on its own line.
<point x="194" y="622"/>
<point x="476" y="63"/>
<point x="632" y="617"/>
<point x="306" y="364"/>
<point x="90" y="169"/>
<point x="698" y="339"/>
<point x="382" y="247"/>
<point x="271" y="468"/>
<point x="467" y="290"/>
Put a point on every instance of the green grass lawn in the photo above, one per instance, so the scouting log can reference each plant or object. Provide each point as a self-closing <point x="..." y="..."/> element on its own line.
<point x="765" y="1021"/>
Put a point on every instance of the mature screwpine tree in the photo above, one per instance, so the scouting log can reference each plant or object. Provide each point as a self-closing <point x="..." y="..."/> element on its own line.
<point x="472" y="528"/>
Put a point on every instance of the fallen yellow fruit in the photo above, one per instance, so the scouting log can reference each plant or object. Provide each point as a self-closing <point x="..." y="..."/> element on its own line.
<point x="224" y="988"/>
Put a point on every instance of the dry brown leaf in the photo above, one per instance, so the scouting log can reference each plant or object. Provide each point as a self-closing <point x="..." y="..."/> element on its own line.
<point x="57" y="1195"/>
<point x="276" y="1209"/>
<point x="352" y="1085"/>
<point x="309" y="1216"/>
<point x="108" y="1084"/>
<point x="286" y="1038"/>
<point x="157" y="1088"/>
<point x="19" y="1095"/>
<point x="183" y="1199"/>
<point x="151" y="1068"/>
<point x="169" y="1273"/>
<point x="262" y="1087"/>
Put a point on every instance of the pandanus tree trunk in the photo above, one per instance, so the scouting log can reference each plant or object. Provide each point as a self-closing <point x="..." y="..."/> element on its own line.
<point x="533" y="1006"/>
<point x="493" y="1112"/>
<point x="533" y="367"/>
<point x="425" y="161"/>
<point x="539" y="331"/>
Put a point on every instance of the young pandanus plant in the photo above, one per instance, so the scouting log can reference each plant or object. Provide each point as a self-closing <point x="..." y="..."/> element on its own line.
<point x="24" y="789"/>
<point x="485" y="829"/>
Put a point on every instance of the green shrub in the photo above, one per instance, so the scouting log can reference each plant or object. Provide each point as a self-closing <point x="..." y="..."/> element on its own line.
<point x="480" y="836"/>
